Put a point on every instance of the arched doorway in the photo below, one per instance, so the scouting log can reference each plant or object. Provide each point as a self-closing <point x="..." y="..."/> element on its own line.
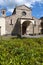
<point x="27" y="25"/>
<point x="42" y="27"/>
<point x="24" y="26"/>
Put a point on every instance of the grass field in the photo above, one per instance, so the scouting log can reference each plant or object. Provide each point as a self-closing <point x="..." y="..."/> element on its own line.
<point x="21" y="51"/>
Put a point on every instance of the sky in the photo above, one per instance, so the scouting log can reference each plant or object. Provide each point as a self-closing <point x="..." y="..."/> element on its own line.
<point x="36" y="6"/>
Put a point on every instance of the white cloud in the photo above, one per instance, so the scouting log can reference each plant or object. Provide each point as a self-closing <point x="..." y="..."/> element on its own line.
<point x="19" y="1"/>
<point x="13" y="2"/>
<point x="10" y="10"/>
<point x="30" y="2"/>
<point x="1" y="1"/>
<point x="10" y="4"/>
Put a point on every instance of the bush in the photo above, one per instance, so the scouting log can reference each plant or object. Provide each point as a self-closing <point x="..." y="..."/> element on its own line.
<point x="21" y="51"/>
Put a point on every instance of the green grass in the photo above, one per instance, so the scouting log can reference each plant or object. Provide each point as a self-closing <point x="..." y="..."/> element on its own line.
<point x="16" y="51"/>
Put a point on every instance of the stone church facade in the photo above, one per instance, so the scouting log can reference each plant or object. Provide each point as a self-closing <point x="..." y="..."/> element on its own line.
<point x="21" y="22"/>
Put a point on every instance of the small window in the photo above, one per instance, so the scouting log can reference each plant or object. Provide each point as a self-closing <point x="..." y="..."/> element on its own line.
<point x="23" y="13"/>
<point x="11" y="22"/>
<point x="3" y="12"/>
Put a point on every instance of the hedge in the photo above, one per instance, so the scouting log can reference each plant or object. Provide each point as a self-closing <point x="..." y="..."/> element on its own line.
<point x="25" y="51"/>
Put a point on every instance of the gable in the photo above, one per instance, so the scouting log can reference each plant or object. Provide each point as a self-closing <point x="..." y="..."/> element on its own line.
<point x="23" y="7"/>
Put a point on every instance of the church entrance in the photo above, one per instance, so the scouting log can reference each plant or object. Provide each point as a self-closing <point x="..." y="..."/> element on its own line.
<point x="24" y="26"/>
<point x="41" y="27"/>
<point x="27" y="28"/>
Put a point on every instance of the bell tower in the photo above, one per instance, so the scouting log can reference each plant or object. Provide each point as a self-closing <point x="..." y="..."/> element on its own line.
<point x="3" y="11"/>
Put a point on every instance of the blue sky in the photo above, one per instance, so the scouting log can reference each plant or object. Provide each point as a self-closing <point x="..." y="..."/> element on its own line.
<point x="36" y="5"/>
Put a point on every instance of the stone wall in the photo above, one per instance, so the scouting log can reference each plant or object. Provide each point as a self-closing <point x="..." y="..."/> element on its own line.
<point x="2" y="26"/>
<point x="15" y="28"/>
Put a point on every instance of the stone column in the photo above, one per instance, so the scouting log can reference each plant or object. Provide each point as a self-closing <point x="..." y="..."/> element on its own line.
<point x="21" y="29"/>
<point x="33" y="29"/>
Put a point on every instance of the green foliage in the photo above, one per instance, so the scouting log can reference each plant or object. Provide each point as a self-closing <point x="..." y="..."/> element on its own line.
<point x="16" y="51"/>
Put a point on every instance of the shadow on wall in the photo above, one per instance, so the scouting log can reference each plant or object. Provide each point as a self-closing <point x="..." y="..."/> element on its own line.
<point x="16" y="28"/>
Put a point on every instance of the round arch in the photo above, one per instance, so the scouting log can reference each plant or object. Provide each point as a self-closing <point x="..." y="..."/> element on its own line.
<point x="26" y="25"/>
<point x="27" y="20"/>
<point x="41" y="27"/>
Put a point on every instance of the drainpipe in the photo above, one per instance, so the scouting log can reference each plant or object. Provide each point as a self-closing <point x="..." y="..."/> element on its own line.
<point x="21" y="29"/>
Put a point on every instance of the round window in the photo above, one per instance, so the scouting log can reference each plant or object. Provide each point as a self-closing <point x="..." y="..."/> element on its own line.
<point x="23" y="13"/>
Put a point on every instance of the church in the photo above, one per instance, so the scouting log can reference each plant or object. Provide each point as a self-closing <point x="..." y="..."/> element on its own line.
<point x="21" y="22"/>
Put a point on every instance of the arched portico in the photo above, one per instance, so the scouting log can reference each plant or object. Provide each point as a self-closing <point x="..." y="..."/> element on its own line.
<point x="42" y="27"/>
<point x="27" y="26"/>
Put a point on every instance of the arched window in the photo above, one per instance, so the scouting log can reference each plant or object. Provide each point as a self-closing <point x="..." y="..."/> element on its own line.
<point x="3" y="12"/>
<point x="23" y="13"/>
<point x="11" y="22"/>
